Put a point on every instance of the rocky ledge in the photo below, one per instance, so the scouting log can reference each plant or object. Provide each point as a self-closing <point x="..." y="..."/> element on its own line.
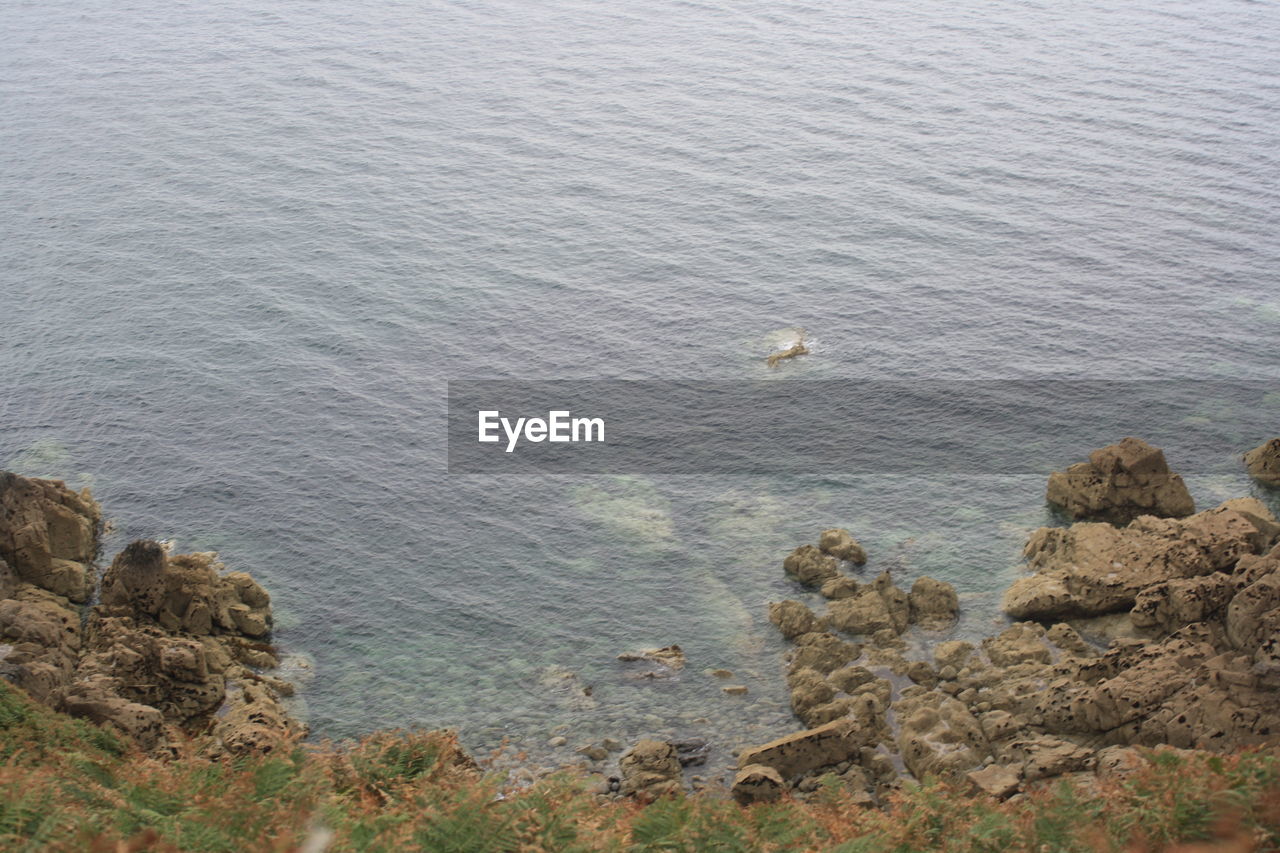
<point x="174" y="649"/>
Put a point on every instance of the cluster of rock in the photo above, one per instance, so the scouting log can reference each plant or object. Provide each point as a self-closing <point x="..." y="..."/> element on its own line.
<point x="1192" y="604"/>
<point x="173" y="648"/>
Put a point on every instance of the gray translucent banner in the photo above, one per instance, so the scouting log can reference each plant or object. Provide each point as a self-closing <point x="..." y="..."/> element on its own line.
<point x="849" y="427"/>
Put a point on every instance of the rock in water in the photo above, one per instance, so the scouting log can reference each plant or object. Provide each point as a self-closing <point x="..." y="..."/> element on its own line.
<point x="933" y="603"/>
<point x="1119" y="483"/>
<point x="810" y="566"/>
<point x="1263" y="463"/>
<point x="839" y="740"/>
<point x="793" y="619"/>
<point x="841" y="545"/>
<point x="650" y="769"/>
<point x="671" y="656"/>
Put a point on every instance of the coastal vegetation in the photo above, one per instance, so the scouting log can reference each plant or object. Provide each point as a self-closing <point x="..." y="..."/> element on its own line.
<point x="66" y="784"/>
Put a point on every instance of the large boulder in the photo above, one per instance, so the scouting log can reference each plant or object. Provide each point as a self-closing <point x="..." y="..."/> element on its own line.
<point x="810" y="566"/>
<point x="939" y="736"/>
<point x="1119" y="483"/>
<point x="933" y="603"/>
<point x="841" y="545"/>
<point x="1092" y="569"/>
<point x="794" y="754"/>
<point x="1263" y="463"/>
<point x="48" y="534"/>
<point x="793" y="619"/>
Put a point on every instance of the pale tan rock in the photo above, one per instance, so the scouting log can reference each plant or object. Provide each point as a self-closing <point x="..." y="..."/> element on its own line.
<point x="953" y="653"/>
<point x="839" y="587"/>
<point x="48" y="534"/>
<point x="757" y="783"/>
<point x="1093" y="569"/>
<point x="1022" y="642"/>
<point x="841" y="545"/>
<point x="864" y="613"/>
<point x="822" y="652"/>
<point x="995" y="780"/>
<point x="939" y="736"/>
<point x="1263" y="463"/>
<point x="801" y="752"/>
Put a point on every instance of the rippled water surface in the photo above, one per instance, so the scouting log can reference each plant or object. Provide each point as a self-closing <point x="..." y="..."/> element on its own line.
<point x="245" y="245"/>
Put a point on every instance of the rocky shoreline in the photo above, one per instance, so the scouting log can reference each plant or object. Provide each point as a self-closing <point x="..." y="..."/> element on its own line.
<point x="166" y="650"/>
<point x="1142" y="624"/>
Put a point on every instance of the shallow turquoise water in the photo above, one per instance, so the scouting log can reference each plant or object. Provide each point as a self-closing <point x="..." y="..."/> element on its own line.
<point x="245" y="247"/>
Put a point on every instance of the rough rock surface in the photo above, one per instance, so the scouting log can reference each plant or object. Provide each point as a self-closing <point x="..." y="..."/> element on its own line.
<point x="810" y="566"/>
<point x="797" y="753"/>
<point x="793" y="619"/>
<point x="933" y="603"/>
<point x="1119" y="483"/>
<point x="48" y="534"/>
<point x="757" y="783"/>
<point x="1091" y="569"/>
<point x="1263" y="463"/>
<point x="173" y="645"/>
<point x="841" y="545"/>
<point x="650" y="769"/>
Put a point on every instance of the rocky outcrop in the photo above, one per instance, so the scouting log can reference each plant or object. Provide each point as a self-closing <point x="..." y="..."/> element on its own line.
<point x="48" y="534"/>
<point x="174" y="645"/>
<point x="1119" y="483"/>
<point x="939" y="736"/>
<point x="184" y="593"/>
<point x="1091" y="569"/>
<point x="810" y="566"/>
<point x="841" y="545"/>
<point x="1263" y="463"/>
<point x="650" y="769"/>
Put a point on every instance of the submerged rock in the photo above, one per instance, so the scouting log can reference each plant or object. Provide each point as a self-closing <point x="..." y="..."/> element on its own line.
<point x="671" y="656"/>
<point x="1119" y="483"/>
